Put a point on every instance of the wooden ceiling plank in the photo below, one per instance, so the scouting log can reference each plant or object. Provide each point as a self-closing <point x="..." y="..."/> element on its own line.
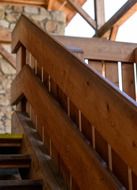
<point x="83" y="13"/>
<point x="126" y="11"/>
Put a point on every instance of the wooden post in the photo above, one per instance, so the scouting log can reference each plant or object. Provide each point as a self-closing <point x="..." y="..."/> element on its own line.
<point x="20" y="62"/>
<point x="99" y="12"/>
<point x="20" y="58"/>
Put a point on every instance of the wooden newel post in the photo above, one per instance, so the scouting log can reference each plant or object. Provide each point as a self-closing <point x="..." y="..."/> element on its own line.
<point x="20" y="62"/>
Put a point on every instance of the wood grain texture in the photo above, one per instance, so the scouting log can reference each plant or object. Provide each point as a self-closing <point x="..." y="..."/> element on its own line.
<point x="100" y="49"/>
<point x="99" y="12"/>
<point x="64" y="135"/>
<point x="114" y="108"/>
<point x="42" y="166"/>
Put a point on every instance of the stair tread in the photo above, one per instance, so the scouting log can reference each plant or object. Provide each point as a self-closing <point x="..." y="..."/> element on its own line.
<point x="9" y="174"/>
<point x="15" y="161"/>
<point x="22" y="184"/>
<point x="10" y="140"/>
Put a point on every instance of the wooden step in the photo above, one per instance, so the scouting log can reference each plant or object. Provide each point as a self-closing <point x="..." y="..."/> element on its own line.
<point x="10" y="143"/>
<point x="10" y="174"/>
<point x="15" y="161"/>
<point x="21" y="185"/>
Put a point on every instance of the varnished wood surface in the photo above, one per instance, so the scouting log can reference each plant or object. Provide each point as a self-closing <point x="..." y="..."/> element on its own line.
<point x="67" y="140"/>
<point x="100" y="49"/>
<point x="42" y="164"/>
<point x="115" y="109"/>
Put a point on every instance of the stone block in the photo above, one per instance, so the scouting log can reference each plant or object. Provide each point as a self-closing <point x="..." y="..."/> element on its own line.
<point x="51" y="26"/>
<point x="31" y="10"/>
<point x="38" y="17"/>
<point x="4" y="23"/>
<point x="12" y="17"/>
<point x="58" y="16"/>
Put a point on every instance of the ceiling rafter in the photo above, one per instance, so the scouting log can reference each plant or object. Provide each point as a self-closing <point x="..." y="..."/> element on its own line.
<point x="77" y="7"/>
<point x="123" y="14"/>
<point x="66" y="7"/>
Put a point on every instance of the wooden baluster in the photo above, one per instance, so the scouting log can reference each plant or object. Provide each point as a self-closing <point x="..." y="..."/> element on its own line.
<point x="120" y="169"/>
<point x="111" y="72"/>
<point x="96" y="65"/>
<point x="20" y="58"/>
<point x="65" y="173"/>
<point x="86" y="129"/>
<point x="74" y="113"/>
<point x="62" y="98"/>
<point x="128" y="81"/>
<point x="130" y="183"/>
<point x="20" y="62"/>
<point x="134" y="181"/>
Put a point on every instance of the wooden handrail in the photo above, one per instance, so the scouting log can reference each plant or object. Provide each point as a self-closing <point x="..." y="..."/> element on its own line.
<point x="101" y="49"/>
<point x="75" y="153"/>
<point x="92" y="94"/>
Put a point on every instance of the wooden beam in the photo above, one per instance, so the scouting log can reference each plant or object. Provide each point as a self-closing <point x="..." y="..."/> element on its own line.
<point x="79" y="153"/>
<point x="83" y="13"/>
<point x="11" y="60"/>
<point x="99" y="12"/>
<point x="113" y="33"/>
<point x="5" y="35"/>
<point x="100" y="49"/>
<point x="27" y="2"/>
<point x="63" y="5"/>
<point x="126" y="11"/>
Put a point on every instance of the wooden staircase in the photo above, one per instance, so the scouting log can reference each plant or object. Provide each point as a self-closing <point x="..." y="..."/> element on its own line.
<point x="78" y="129"/>
<point x="15" y="166"/>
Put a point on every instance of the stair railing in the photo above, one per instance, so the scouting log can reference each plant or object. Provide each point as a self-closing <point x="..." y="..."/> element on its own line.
<point x="87" y="124"/>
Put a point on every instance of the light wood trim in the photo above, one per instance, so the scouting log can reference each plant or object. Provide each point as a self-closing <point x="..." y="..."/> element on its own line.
<point x="84" y="167"/>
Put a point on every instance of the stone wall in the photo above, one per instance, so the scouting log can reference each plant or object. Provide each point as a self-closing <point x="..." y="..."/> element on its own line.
<point x="51" y="21"/>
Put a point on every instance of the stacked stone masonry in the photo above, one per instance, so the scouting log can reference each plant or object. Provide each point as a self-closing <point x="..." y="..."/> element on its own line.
<point x="50" y="21"/>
